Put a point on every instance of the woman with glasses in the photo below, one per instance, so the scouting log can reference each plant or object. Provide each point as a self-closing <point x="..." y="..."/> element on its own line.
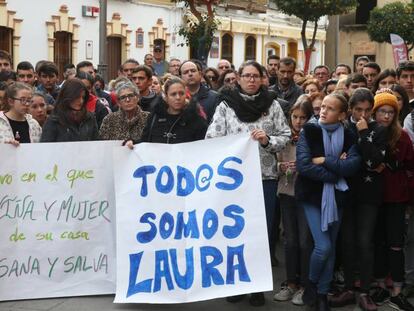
<point x="250" y="108"/>
<point x="390" y="226"/>
<point x="70" y="121"/>
<point x="16" y="124"/>
<point x="228" y="78"/>
<point x="211" y="75"/>
<point x="129" y="121"/>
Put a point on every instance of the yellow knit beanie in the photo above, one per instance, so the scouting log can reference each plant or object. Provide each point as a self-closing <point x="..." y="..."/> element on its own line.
<point x="385" y="98"/>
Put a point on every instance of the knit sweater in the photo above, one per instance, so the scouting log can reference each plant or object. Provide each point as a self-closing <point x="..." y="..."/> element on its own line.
<point x="225" y="122"/>
<point x="397" y="166"/>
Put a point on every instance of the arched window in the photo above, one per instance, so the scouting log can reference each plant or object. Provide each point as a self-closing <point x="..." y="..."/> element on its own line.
<point x="293" y="49"/>
<point x="62" y="50"/>
<point x="250" y="48"/>
<point x="227" y="47"/>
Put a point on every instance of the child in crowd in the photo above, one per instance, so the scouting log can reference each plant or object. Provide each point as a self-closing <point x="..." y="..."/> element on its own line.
<point x="326" y="154"/>
<point x="389" y="235"/>
<point x="360" y="214"/>
<point x="297" y="237"/>
<point x="16" y="124"/>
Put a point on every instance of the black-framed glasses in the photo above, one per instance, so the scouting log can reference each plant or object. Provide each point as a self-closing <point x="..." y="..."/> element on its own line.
<point x="251" y="76"/>
<point x="126" y="97"/>
<point x="23" y="100"/>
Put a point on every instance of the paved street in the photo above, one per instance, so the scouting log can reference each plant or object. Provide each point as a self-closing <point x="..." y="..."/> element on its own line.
<point x="104" y="303"/>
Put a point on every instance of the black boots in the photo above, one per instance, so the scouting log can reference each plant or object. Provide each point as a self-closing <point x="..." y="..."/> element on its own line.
<point x="310" y="295"/>
<point x="322" y="303"/>
<point x="313" y="300"/>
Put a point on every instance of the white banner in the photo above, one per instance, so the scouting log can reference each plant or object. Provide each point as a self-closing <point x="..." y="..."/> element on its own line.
<point x="190" y="221"/>
<point x="57" y="220"/>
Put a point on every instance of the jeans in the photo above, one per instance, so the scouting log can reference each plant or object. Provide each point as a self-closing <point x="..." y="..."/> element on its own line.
<point x="389" y="242"/>
<point x="271" y="201"/>
<point x="322" y="260"/>
<point x="297" y="240"/>
<point x="409" y="252"/>
<point x="358" y="231"/>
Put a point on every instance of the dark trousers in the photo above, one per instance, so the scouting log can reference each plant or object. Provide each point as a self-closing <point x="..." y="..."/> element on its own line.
<point x="389" y="234"/>
<point x="357" y="239"/>
<point x="271" y="206"/>
<point x="297" y="239"/>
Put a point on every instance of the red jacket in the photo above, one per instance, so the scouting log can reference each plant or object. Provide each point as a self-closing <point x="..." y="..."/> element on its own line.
<point x="396" y="179"/>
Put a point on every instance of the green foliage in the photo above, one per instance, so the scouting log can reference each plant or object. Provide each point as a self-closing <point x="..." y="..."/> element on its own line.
<point x="198" y="30"/>
<point x="312" y="10"/>
<point x="396" y="17"/>
<point x="193" y="30"/>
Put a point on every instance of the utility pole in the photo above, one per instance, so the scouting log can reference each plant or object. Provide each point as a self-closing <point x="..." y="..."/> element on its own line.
<point x="103" y="59"/>
<point x="336" y="39"/>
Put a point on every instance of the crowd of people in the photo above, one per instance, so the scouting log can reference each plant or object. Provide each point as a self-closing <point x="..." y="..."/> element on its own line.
<point x="336" y="153"/>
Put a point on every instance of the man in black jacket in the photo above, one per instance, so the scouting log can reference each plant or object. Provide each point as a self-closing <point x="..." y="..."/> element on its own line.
<point x="286" y="88"/>
<point x="191" y="73"/>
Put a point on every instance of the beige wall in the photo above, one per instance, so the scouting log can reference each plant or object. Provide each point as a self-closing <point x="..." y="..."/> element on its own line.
<point x="358" y="43"/>
<point x="355" y="41"/>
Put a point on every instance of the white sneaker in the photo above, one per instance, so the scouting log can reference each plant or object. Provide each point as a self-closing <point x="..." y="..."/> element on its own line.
<point x="285" y="294"/>
<point x="297" y="298"/>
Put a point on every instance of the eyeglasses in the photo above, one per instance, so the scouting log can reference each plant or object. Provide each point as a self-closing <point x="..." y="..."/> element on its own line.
<point x="23" y="100"/>
<point x="248" y="77"/>
<point x="126" y="97"/>
<point x="383" y="113"/>
<point x="223" y="67"/>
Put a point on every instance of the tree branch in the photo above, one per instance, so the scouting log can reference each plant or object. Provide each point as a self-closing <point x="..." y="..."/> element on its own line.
<point x="303" y="34"/>
<point x="209" y="5"/>
<point x="194" y="10"/>
<point x="315" y="29"/>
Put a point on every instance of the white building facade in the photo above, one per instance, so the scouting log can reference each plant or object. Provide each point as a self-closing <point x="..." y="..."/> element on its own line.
<point x="64" y="32"/>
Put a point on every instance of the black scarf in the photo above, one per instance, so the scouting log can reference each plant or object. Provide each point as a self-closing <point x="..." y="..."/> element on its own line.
<point x="246" y="109"/>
